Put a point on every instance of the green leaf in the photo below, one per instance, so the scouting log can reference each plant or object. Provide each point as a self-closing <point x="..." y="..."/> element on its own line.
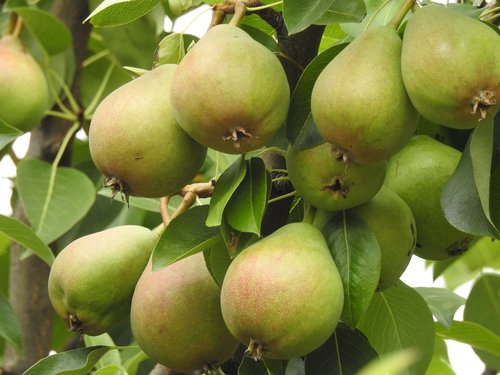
<point x="343" y="11"/>
<point x="245" y="209"/>
<point x="398" y="318"/>
<point x="495" y="173"/>
<point x="132" y="364"/>
<point x="378" y="12"/>
<point x="460" y="200"/>
<point x="345" y="352"/>
<point x="110" y="358"/>
<point x="391" y="364"/>
<point x="299" y="14"/>
<point x="54" y="199"/>
<point x="10" y="328"/>
<point x="472" y="334"/>
<point x="299" y="116"/>
<point x="332" y="35"/>
<point x="483" y="307"/>
<point x="71" y="362"/>
<point x="7" y="134"/>
<point x="225" y="186"/>
<point x="110" y="370"/>
<point x="260" y="36"/>
<point x="171" y="49"/>
<point x="218" y="260"/>
<point x="442" y="302"/>
<point x="186" y="235"/>
<point x="23" y="234"/>
<point x="439" y="362"/>
<point x="51" y="32"/>
<point x="235" y="240"/>
<point x="120" y="12"/>
<point x="357" y="255"/>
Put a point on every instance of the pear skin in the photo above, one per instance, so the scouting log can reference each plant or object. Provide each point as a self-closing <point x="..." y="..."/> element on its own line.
<point x="24" y="95"/>
<point x="359" y="102"/>
<point x="176" y="317"/>
<point x="92" y="280"/>
<point x="283" y="296"/>
<point x="136" y="143"/>
<point x="418" y="174"/>
<point x="392" y="222"/>
<point x="451" y="67"/>
<point x="323" y="178"/>
<point x="230" y="93"/>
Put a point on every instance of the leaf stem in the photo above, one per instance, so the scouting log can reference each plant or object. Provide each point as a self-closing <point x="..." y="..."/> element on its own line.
<point x="490" y="11"/>
<point x="282" y="178"/>
<point x="63" y="115"/>
<point x="71" y="99"/>
<point x="95" y="100"/>
<point x="12" y="155"/>
<point x="67" y="138"/>
<point x="266" y="6"/>
<point x="400" y="15"/>
<point x="92" y="59"/>
<point x="284" y="196"/>
<point x="489" y="19"/>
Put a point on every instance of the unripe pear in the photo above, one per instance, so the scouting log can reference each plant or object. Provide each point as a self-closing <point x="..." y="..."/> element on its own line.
<point x="450" y="67"/>
<point x="176" y="317"/>
<point x="418" y="174"/>
<point x="24" y="94"/>
<point x="136" y="143"/>
<point x="283" y="296"/>
<point x="392" y="222"/>
<point x="230" y="93"/>
<point x="323" y="178"/>
<point x="359" y="102"/>
<point x="92" y="280"/>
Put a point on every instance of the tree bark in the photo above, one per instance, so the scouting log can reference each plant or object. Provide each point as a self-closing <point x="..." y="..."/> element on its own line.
<point x="28" y="278"/>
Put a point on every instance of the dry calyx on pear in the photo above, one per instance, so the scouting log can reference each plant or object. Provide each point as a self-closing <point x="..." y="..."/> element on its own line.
<point x="450" y="67"/>
<point x="283" y="296"/>
<point x="359" y="102"/>
<point x="176" y="317"/>
<point x="230" y="93"/>
<point x="137" y="144"/>
<point x="24" y="94"/>
<point x="418" y="174"/>
<point x="323" y="178"/>
<point x="92" y="280"/>
<point x="392" y="222"/>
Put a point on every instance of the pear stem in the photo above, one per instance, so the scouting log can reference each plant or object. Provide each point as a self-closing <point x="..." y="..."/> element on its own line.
<point x="18" y="28"/>
<point x="165" y="216"/>
<point x="13" y="155"/>
<point x="400" y="15"/>
<point x="322" y="217"/>
<point x="309" y="213"/>
<point x="239" y="12"/>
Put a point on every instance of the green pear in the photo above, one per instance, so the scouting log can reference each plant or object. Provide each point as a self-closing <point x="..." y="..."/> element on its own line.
<point x="136" y="143"/>
<point x="324" y="179"/>
<point x="418" y="174"/>
<point x="359" y="102"/>
<point x="92" y="280"/>
<point x="24" y="95"/>
<point x="450" y="67"/>
<point x="283" y="296"/>
<point x="176" y="317"/>
<point x="230" y="93"/>
<point x="392" y="222"/>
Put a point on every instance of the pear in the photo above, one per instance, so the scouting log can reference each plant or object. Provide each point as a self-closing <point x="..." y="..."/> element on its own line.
<point x="283" y="296"/>
<point x="135" y="141"/>
<point x="359" y="102"/>
<point x="322" y="177"/>
<point x="418" y="174"/>
<point x="24" y="95"/>
<point x="92" y="280"/>
<point x="450" y="67"/>
<point x="230" y="93"/>
<point x="176" y="317"/>
<point x="392" y="222"/>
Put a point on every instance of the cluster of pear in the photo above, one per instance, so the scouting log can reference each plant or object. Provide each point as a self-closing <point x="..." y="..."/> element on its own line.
<point x="150" y="136"/>
<point x="24" y="94"/>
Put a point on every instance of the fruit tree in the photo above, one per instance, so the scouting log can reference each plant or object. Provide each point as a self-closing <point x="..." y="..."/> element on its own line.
<point x="246" y="202"/>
